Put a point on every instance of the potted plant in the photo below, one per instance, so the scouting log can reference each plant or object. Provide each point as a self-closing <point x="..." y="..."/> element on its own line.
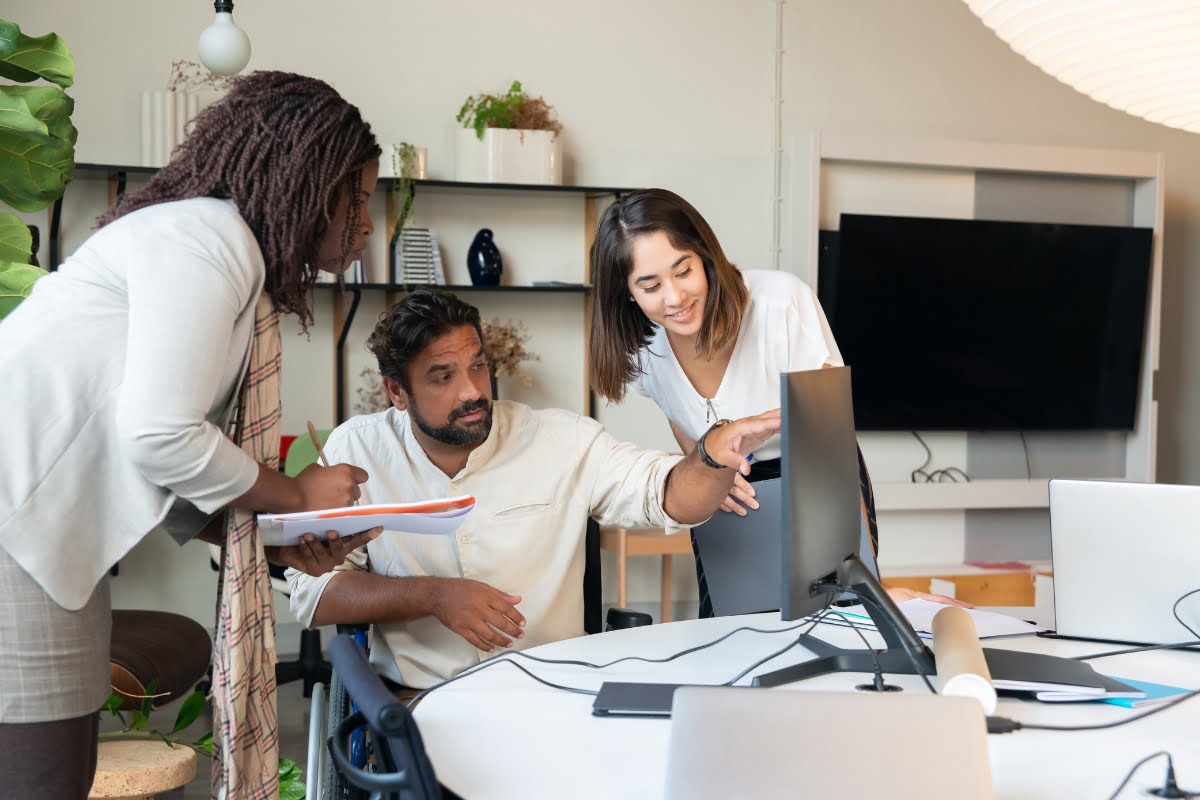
<point x="37" y="147"/>
<point x="508" y="138"/>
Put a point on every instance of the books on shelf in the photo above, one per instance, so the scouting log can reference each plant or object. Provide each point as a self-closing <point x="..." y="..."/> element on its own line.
<point x="417" y="258"/>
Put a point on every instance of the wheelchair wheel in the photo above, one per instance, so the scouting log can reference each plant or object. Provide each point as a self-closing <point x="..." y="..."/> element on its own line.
<point x="335" y="787"/>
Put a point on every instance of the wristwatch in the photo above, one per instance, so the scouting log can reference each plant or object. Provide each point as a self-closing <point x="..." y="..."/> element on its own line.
<point x="704" y="456"/>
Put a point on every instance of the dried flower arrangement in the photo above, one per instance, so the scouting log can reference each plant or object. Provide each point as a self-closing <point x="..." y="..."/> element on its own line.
<point x="504" y="348"/>
<point x="515" y="109"/>
<point x="369" y="395"/>
<point x="189" y="76"/>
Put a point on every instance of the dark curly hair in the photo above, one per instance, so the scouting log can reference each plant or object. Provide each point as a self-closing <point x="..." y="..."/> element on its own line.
<point x="284" y="148"/>
<point x="408" y="327"/>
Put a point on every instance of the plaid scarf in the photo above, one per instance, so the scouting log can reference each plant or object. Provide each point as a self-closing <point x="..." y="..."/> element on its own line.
<point x="245" y="736"/>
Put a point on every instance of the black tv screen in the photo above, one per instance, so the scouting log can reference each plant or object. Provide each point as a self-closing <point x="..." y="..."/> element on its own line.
<point x="954" y="324"/>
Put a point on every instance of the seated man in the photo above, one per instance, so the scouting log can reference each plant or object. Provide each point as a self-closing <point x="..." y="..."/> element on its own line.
<point x="511" y="576"/>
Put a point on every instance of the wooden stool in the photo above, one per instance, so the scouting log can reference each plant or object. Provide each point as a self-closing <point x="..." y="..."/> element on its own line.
<point x="137" y="769"/>
<point x="645" y="542"/>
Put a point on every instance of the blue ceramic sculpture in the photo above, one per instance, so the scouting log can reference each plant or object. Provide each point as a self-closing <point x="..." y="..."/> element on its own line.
<point x="483" y="260"/>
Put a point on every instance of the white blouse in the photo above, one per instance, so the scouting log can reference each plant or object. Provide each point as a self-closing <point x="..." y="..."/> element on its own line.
<point x="783" y="330"/>
<point x="116" y="368"/>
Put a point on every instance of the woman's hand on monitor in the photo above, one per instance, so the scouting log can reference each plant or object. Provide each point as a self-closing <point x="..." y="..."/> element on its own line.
<point x="900" y="594"/>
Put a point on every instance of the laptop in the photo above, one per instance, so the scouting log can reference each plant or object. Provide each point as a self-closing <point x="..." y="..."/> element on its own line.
<point x="765" y="744"/>
<point x="742" y="555"/>
<point x="1123" y="554"/>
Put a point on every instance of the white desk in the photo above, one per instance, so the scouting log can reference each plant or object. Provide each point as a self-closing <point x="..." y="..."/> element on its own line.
<point x="500" y="734"/>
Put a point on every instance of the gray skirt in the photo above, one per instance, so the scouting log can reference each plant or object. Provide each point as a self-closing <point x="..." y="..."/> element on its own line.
<point x="53" y="662"/>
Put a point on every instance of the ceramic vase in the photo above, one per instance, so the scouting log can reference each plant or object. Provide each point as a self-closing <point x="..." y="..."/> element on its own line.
<point x="483" y="260"/>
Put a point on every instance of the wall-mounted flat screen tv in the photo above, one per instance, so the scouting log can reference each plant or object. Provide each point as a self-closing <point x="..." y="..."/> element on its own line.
<point x="954" y="324"/>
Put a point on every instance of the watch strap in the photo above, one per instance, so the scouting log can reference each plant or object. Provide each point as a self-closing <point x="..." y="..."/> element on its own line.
<point x="705" y="458"/>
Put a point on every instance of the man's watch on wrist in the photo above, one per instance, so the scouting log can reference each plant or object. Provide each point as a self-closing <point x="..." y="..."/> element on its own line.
<point x="705" y="458"/>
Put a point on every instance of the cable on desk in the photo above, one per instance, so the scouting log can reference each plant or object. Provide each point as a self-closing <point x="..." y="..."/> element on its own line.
<point x="504" y="658"/>
<point x="816" y="620"/>
<point x="508" y="657"/>
<point x="1175" y="646"/>
<point x="1006" y="725"/>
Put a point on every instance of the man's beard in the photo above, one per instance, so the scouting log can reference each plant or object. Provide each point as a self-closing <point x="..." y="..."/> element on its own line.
<point x="457" y="435"/>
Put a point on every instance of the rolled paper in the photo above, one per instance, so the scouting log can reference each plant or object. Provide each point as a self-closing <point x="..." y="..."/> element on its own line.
<point x="961" y="667"/>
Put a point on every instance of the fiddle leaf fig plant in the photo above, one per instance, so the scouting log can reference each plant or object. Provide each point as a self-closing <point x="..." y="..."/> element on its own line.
<point x="37" y="147"/>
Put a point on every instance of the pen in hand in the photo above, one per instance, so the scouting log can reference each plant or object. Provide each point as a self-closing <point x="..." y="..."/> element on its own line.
<point x="312" y="432"/>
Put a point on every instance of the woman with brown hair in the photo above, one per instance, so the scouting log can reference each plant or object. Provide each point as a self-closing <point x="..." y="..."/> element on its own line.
<point x="142" y="391"/>
<point x="674" y="320"/>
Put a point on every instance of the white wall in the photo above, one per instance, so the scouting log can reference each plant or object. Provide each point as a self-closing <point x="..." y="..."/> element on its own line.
<point x="674" y="93"/>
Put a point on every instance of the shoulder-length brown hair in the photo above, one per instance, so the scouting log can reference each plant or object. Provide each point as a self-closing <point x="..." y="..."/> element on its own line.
<point x="619" y="327"/>
<point x="284" y="148"/>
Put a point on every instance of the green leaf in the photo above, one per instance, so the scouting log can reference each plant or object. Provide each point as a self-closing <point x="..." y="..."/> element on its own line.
<point x="140" y="721"/>
<point x="204" y="743"/>
<point x="26" y="58"/>
<point x="16" y="282"/>
<point x="148" y="700"/>
<point x="16" y="244"/>
<point x="114" y="700"/>
<point x="189" y="712"/>
<point x="37" y="145"/>
<point x="291" y="780"/>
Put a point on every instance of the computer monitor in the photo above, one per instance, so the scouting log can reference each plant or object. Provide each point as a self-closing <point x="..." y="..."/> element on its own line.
<point x="822" y="519"/>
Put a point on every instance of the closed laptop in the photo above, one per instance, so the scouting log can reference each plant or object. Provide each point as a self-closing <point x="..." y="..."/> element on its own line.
<point x="777" y="743"/>
<point x="1123" y="554"/>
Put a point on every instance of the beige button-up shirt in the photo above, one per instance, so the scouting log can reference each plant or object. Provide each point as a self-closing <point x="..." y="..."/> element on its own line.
<point x="536" y="479"/>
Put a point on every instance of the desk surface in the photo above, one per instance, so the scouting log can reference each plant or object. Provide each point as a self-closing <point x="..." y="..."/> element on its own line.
<point x="500" y="734"/>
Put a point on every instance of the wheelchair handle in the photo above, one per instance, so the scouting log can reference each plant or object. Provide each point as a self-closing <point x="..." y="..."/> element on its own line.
<point x="379" y="708"/>
<point x="362" y="779"/>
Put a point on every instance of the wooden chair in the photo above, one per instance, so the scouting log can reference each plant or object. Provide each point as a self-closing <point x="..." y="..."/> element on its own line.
<point x="626" y="542"/>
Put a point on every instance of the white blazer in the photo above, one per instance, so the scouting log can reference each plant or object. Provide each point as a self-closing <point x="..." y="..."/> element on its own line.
<point x="114" y="371"/>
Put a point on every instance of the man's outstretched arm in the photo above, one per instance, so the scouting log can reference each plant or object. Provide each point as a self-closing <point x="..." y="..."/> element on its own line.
<point x="696" y="486"/>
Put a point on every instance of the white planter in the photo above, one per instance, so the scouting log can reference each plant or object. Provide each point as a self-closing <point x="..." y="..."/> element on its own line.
<point x="165" y="119"/>
<point x="508" y="156"/>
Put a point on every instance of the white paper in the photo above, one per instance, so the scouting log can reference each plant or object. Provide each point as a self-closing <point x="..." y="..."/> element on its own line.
<point x="435" y="517"/>
<point x="919" y="614"/>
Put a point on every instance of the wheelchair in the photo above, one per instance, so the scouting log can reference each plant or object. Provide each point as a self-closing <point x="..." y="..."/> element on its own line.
<point x="362" y="741"/>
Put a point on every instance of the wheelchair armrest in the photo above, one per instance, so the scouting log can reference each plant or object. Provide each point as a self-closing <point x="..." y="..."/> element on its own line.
<point x="379" y="707"/>
<point x="618" y="618"/>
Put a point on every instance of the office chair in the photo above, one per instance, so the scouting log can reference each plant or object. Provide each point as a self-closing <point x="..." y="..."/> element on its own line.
<point x="170" y="650"/>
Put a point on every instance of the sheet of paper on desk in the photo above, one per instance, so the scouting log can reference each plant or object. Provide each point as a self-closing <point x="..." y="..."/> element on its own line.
<point x="920" y="613"/>
<point x="437" y="517"/>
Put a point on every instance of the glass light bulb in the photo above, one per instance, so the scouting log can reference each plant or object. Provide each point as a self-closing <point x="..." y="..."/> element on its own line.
<point x="224" y="47"/>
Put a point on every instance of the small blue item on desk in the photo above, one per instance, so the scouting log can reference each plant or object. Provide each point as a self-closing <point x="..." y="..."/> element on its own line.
<point x="1155" y="693"/>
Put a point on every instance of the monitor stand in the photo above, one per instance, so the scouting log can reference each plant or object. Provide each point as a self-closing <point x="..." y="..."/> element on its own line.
<point x="904" y="650"/>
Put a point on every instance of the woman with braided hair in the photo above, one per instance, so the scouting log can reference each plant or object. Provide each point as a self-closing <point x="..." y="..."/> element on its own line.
<point x="141" y="391"/>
